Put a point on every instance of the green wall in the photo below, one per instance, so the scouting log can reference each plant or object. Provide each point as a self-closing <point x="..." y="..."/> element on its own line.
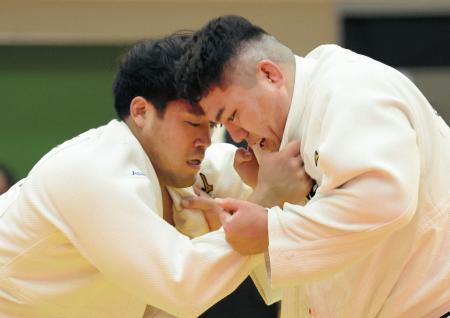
<point x="50" y="94"/>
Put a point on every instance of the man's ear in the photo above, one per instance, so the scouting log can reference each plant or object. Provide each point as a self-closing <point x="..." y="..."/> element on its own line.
<point x="270" y="72"/>
<point x="140" y="111"/>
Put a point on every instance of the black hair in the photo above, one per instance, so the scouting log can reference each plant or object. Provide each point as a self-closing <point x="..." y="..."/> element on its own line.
<point x="208" y="51"/>
<point x="7" y="172"/>
<point x="148" y="70"/>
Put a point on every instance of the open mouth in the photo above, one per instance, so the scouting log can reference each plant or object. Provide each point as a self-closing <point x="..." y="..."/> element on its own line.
<point x="195" y="163"/>
<point x="262" y="143"/>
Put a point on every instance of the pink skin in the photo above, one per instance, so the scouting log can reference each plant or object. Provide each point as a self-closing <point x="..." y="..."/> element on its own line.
<point x="257" y="113"/>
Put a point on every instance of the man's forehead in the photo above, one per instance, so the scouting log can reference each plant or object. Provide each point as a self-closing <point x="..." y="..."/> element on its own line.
<point x="183" y="106"/>
<point x="214" y="105"/>
<point x="195" y="109"/>
<point x="214" y="112"/>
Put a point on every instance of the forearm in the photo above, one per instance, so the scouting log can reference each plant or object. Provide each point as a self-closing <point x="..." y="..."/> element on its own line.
<point x="263" y="197"/>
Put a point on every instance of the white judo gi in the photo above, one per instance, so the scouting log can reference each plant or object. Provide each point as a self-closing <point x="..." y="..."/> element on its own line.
<point x="374" y="241"/>
<point x="83" y="236"/>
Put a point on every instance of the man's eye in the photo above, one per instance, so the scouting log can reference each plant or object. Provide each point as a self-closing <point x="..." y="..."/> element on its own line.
<point x="231" y="118"/>
<point x="193" y="124"/>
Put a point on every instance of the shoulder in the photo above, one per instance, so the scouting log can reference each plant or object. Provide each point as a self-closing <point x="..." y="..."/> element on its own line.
<point x="339" y="68"/>
<point x="93" y="157"/>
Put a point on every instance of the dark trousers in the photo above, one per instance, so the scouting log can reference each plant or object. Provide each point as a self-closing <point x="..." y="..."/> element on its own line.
<point x="244" y="302"/>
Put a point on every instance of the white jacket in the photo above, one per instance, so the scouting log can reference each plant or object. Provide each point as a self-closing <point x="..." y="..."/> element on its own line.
<point x="83" y="237"/>
<point x="374" y="241"/>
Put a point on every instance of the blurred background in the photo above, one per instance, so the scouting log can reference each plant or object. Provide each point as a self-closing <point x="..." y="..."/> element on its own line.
<point x="58" y="59"/>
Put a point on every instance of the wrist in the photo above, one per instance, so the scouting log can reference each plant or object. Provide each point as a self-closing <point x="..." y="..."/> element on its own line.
<point x="265" y="226"/>
<point x="261" y="195"/>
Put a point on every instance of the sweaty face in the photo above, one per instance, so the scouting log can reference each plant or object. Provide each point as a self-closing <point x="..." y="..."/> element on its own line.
<point x="256" y="114"/>
<point x="176" y="143"/>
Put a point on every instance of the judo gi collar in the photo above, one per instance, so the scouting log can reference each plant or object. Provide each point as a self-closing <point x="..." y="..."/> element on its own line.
<point x="303" y="70"/>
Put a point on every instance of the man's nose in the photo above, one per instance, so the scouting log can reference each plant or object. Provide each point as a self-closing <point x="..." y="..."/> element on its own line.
<point x="237" y="133"/>
<point x="204" y="138"/>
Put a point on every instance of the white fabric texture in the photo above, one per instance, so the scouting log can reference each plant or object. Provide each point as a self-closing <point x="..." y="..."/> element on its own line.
<point x="189" y="222"/>
<point x="375" y="239"/>
<point x="83" y="236"/>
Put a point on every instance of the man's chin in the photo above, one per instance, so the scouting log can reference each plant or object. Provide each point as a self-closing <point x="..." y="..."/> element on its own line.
<point x="271" y="145"/>
<point x="184" y="182"/>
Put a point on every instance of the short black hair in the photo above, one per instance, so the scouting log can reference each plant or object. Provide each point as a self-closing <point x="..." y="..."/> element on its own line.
<point x="8" y="174"/>
<point x="148" y="70"/>
<point x="208" y="51"/>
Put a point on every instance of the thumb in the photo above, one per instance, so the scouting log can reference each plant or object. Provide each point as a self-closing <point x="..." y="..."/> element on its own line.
<point x="292" y="148"/>
<point x="224" y="216"/>
<point x="242" y="155"/>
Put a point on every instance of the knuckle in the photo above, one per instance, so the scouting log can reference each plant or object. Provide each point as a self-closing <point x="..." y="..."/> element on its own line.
<point x="293" y="164"/>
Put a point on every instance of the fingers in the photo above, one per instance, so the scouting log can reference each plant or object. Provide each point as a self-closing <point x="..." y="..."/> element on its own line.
<point x="224" y="216"/>
<point x="292" y="149"/>
<point x="292" y="153"/>
<point x="210" y="209"/>
<point x="231" y="205"/>
<point x="243" y="155"/>
<point x="202" y="202"/>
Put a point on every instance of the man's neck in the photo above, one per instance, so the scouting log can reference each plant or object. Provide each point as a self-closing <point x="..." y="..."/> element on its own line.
<point x="167" y="205"/>
<point x="290" y="74"/>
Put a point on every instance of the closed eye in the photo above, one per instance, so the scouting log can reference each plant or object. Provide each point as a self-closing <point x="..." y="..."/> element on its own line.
<point x="232" y="116"/>
<point x="193" y="124"/>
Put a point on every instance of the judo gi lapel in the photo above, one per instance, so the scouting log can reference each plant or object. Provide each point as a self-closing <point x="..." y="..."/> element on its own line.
<point x="189" y="222"/>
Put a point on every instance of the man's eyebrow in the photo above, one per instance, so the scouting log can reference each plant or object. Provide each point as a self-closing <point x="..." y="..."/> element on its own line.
<point x="195" y="109"/>
<point x="219" y="114"/>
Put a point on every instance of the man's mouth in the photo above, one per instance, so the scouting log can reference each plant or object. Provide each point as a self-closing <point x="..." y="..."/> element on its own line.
<point x="262" y="143"/>
<point x="195" y="163"/>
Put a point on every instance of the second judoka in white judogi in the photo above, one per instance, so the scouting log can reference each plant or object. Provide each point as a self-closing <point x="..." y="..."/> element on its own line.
<point x="375" y="239"/>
